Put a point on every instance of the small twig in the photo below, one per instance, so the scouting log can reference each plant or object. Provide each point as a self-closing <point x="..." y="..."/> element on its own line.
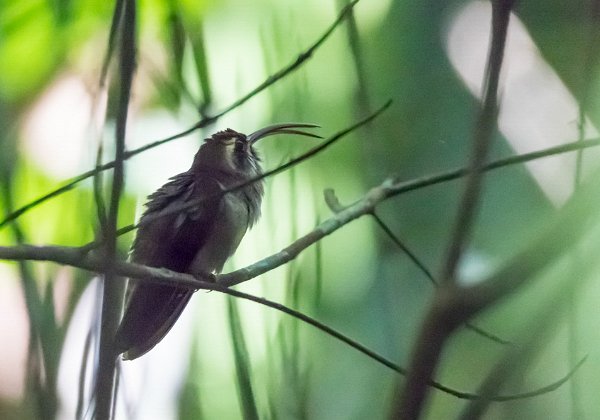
<point x="285" y="71"/>
<point x="434" y="179"/>
<point x="332" y="201"/>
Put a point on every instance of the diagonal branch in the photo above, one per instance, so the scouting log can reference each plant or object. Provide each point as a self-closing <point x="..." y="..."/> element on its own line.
<point x="285" y="71"/>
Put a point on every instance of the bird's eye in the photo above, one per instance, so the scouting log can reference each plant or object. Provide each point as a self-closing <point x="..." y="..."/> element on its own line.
<point x="239" y="145"/>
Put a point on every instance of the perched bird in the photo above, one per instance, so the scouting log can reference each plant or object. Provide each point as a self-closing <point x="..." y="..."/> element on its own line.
<point x="197" y="240"/>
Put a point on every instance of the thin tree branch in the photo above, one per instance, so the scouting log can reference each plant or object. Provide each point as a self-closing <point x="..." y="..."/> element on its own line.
<point x="285" y="71"/>
<point x="439" y="178"/>
<point x="98" y="190"/>
<point x="472" y="411"/>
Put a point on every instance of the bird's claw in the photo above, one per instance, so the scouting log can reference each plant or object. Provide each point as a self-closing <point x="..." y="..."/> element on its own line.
<point x="209" y="277"/>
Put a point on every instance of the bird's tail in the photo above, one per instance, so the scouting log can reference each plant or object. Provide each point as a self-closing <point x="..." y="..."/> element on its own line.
<point x="150" y="313"/>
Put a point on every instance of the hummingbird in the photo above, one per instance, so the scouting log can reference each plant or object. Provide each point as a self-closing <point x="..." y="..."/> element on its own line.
<point x="197" y="240"/>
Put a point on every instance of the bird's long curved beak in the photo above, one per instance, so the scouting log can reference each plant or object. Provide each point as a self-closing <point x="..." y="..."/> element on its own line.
<point x="283" y="128"/>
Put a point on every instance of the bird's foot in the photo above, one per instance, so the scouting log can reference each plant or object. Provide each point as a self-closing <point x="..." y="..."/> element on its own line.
<point x="204" y="276"/>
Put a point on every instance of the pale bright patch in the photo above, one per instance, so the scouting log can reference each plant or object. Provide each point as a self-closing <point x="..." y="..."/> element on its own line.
<point x="537" y="111"/>
<point x="14" y="333"/>
<point x="57" y="129"/>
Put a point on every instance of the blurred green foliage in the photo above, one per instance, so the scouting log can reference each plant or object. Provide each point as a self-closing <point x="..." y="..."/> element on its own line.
<point x="196" y="57"/>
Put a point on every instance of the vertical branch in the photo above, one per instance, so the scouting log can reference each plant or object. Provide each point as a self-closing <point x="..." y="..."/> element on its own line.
<point x="441" y="319"/>
<point x="482" y="140"/>
<point x="112" y="293"/>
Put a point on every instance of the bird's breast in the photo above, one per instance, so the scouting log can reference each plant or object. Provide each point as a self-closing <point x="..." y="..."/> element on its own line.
<point x="229" y="228"/>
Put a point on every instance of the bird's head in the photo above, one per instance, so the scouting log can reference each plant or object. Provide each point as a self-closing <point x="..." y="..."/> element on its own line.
<point x="234" y="153"/>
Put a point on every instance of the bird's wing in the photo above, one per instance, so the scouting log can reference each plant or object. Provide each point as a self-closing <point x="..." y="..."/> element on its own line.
<point x="171" y="242"/>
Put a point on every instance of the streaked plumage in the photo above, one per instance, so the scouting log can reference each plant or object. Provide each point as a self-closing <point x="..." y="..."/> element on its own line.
<point x="196" y="240"/>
